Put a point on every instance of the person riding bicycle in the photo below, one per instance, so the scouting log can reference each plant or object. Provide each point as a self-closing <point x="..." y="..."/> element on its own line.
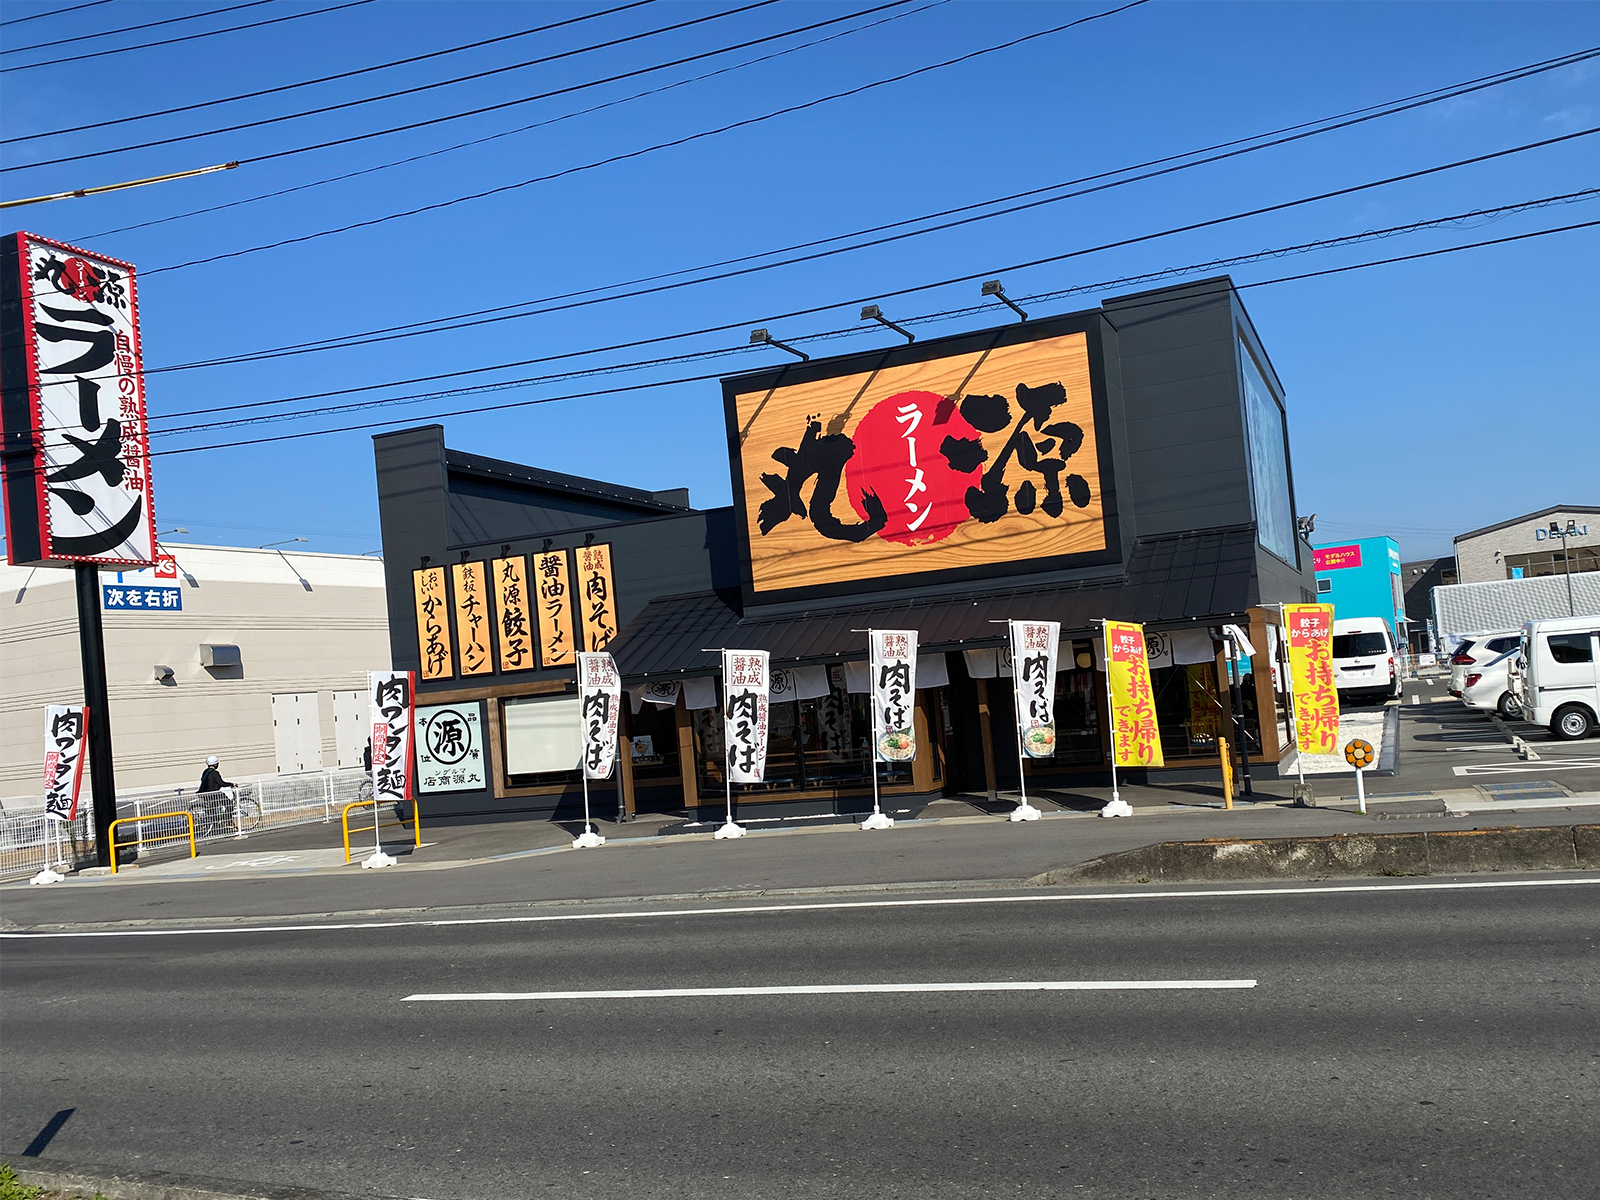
<point x="211" y="779"/>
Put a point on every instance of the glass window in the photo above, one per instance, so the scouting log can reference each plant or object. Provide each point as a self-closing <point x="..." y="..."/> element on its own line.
<point x="653" y="731"/>
<point x="1571" y="647"/>
<point x="1269" y="461"/>
<point x="1357" y="645"/>
<point x="1553" y="562"/>
<point x="543" y="739"/>
<point x="1324" y="585"/>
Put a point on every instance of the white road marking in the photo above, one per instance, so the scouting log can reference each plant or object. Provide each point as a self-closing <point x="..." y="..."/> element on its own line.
<point x="1416" y="699"/>
<point x="1522" y="768"/>
<point x="856" y="989"/>
<point x="843" y="905"/>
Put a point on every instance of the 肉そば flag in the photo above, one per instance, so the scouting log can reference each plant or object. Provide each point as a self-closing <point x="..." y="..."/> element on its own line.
<point x="892" y="663"/>
<point x="600" y="699"/>
<point x="744" y="714"/>
<point x="1135" y="736"/>
<point x="1316" y="699"/>
<point x="1033" y="681"/>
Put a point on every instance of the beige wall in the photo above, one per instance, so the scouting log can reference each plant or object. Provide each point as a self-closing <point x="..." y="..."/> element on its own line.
<point x="1478" y="559"/>
<point x="321" y="636"/>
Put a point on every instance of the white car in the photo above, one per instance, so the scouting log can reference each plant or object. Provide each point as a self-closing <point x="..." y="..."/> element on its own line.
<point x="1474" y="651"/>
<point x="1488" y="687"/>
<point x="1364" y="660"/>
<point x="1561" y="675"/>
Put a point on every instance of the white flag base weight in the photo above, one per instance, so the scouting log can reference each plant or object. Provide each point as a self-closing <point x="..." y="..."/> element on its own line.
<point x="1025" y="812"/>
<point x="1117" y="808"/>
<point x="47" y="876"/>
<point x="878" y="821"/>
<point x="730" y="830"/>
<point x="379" y="859"/>
<point x="588" y="840"/>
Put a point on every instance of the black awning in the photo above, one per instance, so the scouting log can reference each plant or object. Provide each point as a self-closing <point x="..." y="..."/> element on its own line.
<point x="1172" y="579"/>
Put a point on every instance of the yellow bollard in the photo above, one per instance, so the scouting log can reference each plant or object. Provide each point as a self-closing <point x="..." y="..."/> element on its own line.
<point x="1227" y="773"/>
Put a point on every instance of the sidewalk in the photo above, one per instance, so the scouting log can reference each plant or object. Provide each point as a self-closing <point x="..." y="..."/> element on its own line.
<point x="297" y="874"/>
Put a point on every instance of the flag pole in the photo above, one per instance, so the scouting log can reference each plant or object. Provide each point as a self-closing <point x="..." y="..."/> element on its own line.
<point x="1111" y="712"/>
<point x="1023" y="811"/>
<point x="877" y="820"/>
<point x="730" y="828"/>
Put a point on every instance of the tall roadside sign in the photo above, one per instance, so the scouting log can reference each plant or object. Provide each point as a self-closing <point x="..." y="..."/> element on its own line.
<point x="74" y="448"/>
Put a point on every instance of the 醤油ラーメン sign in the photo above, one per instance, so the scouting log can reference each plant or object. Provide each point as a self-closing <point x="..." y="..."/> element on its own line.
<point x="985" y="455"/>
<point x="450" y="747"/>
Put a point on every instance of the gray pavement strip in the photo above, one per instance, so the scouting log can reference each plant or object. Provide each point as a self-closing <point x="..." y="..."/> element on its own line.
<point x="122" y="1183"/>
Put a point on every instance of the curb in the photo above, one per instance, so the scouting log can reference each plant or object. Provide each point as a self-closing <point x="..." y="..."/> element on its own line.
<point x="117" y="1183"/>
<point x="1455" y="852"/>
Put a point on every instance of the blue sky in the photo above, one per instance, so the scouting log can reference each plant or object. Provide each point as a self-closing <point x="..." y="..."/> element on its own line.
<point x="1425" y="399"/>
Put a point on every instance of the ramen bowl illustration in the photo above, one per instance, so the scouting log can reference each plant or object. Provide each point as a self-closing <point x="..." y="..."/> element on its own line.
<point x="1040" y="741"/>
<point x="897" y="745"/>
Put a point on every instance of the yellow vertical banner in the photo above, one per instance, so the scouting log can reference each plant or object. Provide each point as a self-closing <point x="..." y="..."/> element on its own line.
<point x="472" y="617"/>
<point x="597" y="597"/>
<point x="1308" y="629"/>
<point x="514" y="623"/>
<point x="433" y="623"/>
<point x="1135" y="737"/>
<point x="1205" y="718"/>
<point x="554" y="597"/>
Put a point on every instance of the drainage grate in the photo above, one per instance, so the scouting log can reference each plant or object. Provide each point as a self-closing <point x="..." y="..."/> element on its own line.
<point x="1538" y="789"/>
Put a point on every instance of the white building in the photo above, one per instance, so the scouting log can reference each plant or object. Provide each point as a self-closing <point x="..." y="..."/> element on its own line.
<point x="257" y="656"/>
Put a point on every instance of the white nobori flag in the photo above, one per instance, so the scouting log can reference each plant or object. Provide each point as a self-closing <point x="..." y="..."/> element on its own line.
<point x="600" y="698"/>
<point x="892" y="663"/>
<point x="66" y="729"/>
<point x="392" y="694"/>
<point x="1033" y="678"/>
<point x="745" y="684"/>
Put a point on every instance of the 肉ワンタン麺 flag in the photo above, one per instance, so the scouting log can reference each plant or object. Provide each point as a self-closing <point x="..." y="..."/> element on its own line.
<point x="1309" y="629"/>
<point x="1135" y="736"/>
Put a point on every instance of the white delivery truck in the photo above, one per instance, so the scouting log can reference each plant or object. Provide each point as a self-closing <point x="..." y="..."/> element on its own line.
<point x="1561" y="675"/>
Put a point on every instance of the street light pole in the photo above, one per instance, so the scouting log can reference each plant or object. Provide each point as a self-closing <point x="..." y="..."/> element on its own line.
<point x="1557" y="531"/>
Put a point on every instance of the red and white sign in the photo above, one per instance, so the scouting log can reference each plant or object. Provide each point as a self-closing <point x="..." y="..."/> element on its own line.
<point x="1335" y="558"/>
<point x="66" y="728"/>
<point x="745" y="688"/>
<point x="393" y="695"/>
<point x="599" y="706"/>
<point x="73" y="391"/>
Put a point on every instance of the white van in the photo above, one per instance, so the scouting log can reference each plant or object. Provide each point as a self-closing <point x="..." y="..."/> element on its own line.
<point x="1561" y="678"/>
<point x="1363" y="660"/>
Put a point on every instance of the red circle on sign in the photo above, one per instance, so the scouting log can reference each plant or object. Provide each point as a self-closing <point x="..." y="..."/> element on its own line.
<point x="898" y="457"/>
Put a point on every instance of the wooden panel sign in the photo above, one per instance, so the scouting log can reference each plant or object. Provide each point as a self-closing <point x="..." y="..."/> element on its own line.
<point x="597" y="597"/>
<point x="472" y="617"/>
<point x="957" y="462"/>
<point x="433" y="623"/>
<point x="554" y="593"/>
<point x="515" y="622"/>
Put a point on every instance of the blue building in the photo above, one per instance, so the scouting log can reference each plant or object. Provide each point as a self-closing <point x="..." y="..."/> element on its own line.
<point x="1363" y="579"/>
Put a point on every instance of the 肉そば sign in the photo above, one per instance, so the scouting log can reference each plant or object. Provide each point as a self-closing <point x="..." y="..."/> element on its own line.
<point x="909" y="464"/>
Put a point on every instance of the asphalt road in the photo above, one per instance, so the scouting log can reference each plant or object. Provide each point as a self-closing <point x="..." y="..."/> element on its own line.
<point x="1401" y="1039"/>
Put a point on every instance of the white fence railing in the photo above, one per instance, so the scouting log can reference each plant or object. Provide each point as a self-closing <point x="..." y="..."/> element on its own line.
<point x="28" y="839"/>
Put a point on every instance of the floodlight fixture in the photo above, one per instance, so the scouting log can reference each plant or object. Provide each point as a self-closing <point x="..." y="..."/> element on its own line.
<point x="872" y="312"/>
<point x="760" y="337"/>
<point x="994" y="288"/>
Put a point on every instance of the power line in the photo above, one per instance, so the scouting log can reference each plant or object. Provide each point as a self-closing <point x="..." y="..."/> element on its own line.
<point x="1388" y="108"/>
<point x="54" y="12"/>
<point x="630" y="154"/>
<point x="1125" y="281"/>
<point x="88" y="37"/>
<point x="479" y="141"/>
<point x="289" y="87"/>
<point x="703" y="378"/>
<point x="78" y="58"/>
<point x="410" y="91"/>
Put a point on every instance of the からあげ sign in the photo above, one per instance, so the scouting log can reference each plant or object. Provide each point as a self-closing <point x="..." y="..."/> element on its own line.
<point x="553" y="595"/>
<point x="1135" y="736"/>
<point x="1033" y="679"/>
<point x="1309" y="630"/>
<point x="599" y="706"/>
<point x="472" y="617"/>
<point x="72" y="407"/>
<point x="450" y="748"/>
<point x="66" y="726"/>
<point x="892" y="662"/>
<point x="982" y="457"/>
<point x="597" y="596"/>
<point x="433" y="623"/>
<point x="514" y="619"/>
<point x="391" y="694"/>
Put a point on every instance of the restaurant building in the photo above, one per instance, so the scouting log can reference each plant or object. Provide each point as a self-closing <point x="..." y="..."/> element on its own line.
<point x="1127" y="462"/>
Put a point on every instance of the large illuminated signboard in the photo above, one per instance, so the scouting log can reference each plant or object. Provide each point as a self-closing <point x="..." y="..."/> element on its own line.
<point x="946" y="460"/>
<point x="76" y="450"/>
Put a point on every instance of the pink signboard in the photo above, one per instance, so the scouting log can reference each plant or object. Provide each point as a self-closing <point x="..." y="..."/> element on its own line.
<point x="1335" y="558"/>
